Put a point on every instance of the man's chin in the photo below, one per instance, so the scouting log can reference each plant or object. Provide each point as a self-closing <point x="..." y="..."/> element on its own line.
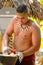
<point x="24" y="23"/>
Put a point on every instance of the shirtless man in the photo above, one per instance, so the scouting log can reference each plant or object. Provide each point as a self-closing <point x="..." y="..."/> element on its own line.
<point x="27" y="36"/>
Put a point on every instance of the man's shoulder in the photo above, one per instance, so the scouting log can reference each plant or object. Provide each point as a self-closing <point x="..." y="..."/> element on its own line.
<point x="35" y="26"/>
<point x="14" y="18"/>
<point x="33" y="23"/>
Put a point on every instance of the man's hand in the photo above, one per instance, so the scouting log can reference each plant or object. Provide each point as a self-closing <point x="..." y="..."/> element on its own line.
<point x="20" y="54"/>
<point x="9" y="50"/>
<point x="5" y="50"/>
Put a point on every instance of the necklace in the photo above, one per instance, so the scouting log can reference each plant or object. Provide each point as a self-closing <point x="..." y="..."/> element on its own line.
<point x="23" y="27"/>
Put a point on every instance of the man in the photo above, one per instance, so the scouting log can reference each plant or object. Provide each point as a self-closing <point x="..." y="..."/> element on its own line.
<point x="26" y="36"/>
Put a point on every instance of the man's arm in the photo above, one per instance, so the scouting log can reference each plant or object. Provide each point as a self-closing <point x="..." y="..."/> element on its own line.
<point x="36" y="39"/>
<point x="7" y="34"/>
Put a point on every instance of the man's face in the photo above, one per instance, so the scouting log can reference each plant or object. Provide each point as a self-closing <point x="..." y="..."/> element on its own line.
<point x="23" y="17"/>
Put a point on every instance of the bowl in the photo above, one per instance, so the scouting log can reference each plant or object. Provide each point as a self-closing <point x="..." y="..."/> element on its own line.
<point x="8" y="59"/>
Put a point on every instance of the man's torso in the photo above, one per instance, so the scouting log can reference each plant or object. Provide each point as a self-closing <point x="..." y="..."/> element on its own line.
<point x="22" y="36"/>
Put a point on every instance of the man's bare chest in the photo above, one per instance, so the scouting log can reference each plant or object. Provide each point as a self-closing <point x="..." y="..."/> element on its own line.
<point x="22" y="30"/>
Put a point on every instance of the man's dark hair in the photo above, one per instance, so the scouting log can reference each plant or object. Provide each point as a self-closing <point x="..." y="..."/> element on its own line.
<point x="22" y="8"/>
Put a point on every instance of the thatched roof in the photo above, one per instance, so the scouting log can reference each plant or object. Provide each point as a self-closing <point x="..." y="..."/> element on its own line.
<point x="36" y="9"/>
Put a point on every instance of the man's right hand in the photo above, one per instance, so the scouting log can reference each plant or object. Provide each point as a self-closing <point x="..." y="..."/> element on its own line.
<point x="5" y="50"/>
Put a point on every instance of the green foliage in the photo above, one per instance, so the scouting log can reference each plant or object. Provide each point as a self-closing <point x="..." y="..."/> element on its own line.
<point x="41" y="0"/>
<point x="0" y="63"/>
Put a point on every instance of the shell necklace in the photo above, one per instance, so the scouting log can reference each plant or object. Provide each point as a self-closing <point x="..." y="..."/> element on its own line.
<point x="23" y="27"/>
